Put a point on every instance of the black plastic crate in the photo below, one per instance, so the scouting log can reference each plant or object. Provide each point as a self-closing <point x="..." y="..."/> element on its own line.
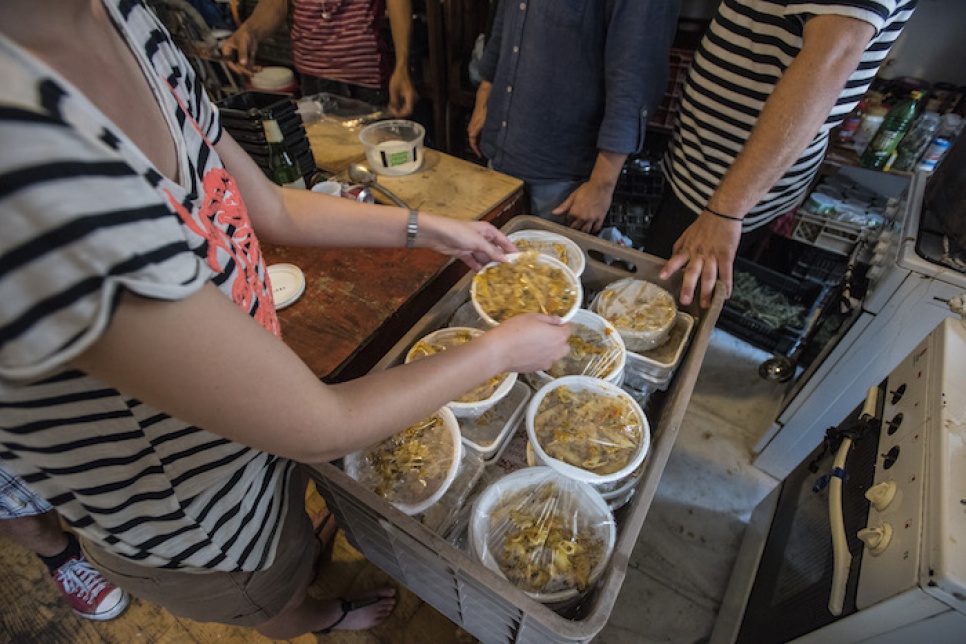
<point x="806" y="293"/>
<point x="241" y="116"/>
<point x="245" y="106"/>
<point x="641" y="179"/>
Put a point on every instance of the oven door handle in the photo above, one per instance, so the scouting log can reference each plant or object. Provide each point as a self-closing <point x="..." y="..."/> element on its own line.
<point x="841" y="557"/>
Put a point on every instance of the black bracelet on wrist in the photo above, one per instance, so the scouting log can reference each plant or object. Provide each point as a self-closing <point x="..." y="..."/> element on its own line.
<point x="718" y="214"/>
<point x="412" y="228"/>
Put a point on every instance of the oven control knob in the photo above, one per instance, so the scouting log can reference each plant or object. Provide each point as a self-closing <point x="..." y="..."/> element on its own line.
<point x="876" y="539"/>
<point x="881" y="494"/>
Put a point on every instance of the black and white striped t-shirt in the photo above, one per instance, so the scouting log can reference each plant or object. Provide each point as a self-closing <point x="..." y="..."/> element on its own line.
<point x="84" y="215"/>
<point x="747" y="48"/>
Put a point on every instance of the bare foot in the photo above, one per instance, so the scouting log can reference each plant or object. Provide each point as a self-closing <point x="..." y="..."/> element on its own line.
<point x="373" y="607"/>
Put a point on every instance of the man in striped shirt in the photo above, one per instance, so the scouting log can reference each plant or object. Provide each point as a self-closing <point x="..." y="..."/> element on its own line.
<point x="337" y="47"/>
<point x="769" y="81"/>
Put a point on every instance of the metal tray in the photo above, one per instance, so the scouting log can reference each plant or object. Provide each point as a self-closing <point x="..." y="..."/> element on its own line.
<point x="452" y="581"/>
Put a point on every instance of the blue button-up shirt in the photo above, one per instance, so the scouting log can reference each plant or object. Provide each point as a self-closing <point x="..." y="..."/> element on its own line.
<point x="571" y="77"/>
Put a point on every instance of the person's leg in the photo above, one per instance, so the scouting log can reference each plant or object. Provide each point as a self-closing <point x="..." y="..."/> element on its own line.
<point x="668" y="223"/>
<point x="273" y="601"/>
<point x="30" y="522"/>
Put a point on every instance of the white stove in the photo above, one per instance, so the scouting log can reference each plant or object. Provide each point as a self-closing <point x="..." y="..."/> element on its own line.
<point x="902" y="509"/>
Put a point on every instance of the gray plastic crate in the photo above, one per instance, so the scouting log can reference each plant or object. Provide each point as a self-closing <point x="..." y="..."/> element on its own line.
<point x="453" y="581"/>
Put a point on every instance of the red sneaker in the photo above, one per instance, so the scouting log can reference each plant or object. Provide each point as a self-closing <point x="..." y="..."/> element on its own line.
<point x="88" y="592"/>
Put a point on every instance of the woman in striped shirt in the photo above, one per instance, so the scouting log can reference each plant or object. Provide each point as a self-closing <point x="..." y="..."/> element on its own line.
<point x="143" y="385"/>
<point x="769" y="80"/>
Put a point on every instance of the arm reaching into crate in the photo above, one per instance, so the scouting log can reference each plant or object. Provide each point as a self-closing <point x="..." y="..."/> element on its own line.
<point x="747" y="156"/>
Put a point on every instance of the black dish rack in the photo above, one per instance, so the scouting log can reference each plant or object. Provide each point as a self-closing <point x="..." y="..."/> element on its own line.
<point x="807" y="293"/>
<point x="241" y="116"/>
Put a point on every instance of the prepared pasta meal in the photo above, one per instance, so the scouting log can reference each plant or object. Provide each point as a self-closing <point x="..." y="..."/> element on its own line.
<point x="527" y="282"/>
<point x="448" y="338"/>
<point x="588" y="429"/>
<point x="548" y="535"/>
<point x="596" y="349"/>
<point x="552" y="244"/>
<point x="642" y="312"/>
<point x="414" y="467"/>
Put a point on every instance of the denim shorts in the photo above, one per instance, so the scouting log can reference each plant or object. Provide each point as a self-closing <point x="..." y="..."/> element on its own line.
<point x="17" y="500"/>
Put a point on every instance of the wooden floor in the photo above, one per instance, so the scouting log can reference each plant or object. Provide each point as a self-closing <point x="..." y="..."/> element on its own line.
<point x="32" y="610"/>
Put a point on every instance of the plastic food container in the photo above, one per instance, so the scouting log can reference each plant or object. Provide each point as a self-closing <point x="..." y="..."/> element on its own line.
<point x="552" y="244"/>
<point x="441" y="516"/>
<point x="566" y="424"/>
<point x="394" y="147"/>
<point x="616" y="494"/>
<point x="480" y="398"/>
<point x="657" y="366"/>
<point x="596" y="350"/>
<point x="414" y="468"/>
<point x="641" y="311"/>
<point x="526" y="282"/>
<point x="486" y="434"/>
<point x="550" y="536"/>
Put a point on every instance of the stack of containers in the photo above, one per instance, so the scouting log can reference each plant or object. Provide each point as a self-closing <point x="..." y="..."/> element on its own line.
<point x="242" y="114"/>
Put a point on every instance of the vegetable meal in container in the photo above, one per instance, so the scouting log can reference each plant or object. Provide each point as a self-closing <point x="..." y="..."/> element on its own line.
<point x="588" y="429"/>
<point x="478" y="399"/>
<point x="641" y="311"/>
<point x="550" y="536"/>
<point x="413" y="468"/>
<point x="527" y="282"/>
<point x="596" y="350"/>
<point x="555" y="245"/>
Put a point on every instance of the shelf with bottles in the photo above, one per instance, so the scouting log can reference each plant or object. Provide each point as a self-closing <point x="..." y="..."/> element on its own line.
<point x="900" y="126"/>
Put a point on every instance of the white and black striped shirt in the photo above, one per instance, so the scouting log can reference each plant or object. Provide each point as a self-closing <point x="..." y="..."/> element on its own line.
<point x="748" y="46"/>
<point x="84" y="215"/>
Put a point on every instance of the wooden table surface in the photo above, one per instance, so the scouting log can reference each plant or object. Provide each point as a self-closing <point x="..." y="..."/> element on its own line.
<point x="358" y="302"/>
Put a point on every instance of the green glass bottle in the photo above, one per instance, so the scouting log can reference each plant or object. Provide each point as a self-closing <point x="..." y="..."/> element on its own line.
<point x="879" y="151"/>
<point x="282" y="168"/>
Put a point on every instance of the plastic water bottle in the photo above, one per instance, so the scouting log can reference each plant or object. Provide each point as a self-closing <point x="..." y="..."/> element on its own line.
<point x="894" y="126"/>
<point x="915" y="141"/>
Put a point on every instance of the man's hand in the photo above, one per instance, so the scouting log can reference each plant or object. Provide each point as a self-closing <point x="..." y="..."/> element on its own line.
<point x="479" y="116"/>
<point x="239" y="50"/>
<point x="707" y="248"/>
<point x="586" y="207"/>
<point x="402" y="93"/>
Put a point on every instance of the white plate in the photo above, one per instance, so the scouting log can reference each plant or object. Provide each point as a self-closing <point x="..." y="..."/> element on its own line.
<point x="288" y="284"/>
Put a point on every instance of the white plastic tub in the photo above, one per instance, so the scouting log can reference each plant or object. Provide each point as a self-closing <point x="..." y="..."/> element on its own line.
<point x="394" y="147"/>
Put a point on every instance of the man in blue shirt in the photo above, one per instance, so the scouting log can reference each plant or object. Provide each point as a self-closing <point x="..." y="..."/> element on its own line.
<point x="567" y="89"/>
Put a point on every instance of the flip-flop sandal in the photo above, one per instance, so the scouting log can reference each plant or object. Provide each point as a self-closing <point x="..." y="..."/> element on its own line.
<point x="348" y="607"/>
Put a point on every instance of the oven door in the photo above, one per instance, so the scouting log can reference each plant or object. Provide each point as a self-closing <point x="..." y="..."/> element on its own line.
<point x="790" y="594"/>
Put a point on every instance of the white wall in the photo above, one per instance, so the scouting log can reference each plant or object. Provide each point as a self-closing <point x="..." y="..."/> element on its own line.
<point x="932" y="46"/>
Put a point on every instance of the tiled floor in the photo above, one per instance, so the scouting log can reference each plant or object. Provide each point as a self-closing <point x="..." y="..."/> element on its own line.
<point x="680" y="567"/>
<point x="675" y="581"/>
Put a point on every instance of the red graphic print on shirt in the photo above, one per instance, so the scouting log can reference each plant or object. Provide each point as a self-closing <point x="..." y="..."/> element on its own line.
<point x="222" y="220"/>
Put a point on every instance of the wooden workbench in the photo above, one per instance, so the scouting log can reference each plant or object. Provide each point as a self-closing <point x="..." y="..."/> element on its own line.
<point x="358" y="302"/>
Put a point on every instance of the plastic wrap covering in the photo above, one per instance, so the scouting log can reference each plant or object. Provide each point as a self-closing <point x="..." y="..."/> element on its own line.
<point x="526" y="282"/>
<point x="413" y="468"/>
<point x="483" y="396"/>
<point x="641" y="311"/>
<point x="552" y="244"/>
<point x="596" y="350"/>
<point x="588" y="429"/>
<point x="550" y="536"/>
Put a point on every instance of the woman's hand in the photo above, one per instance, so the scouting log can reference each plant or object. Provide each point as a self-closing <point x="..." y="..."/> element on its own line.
<point x="529" y="342"/>
<point x="474" y="242"/>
